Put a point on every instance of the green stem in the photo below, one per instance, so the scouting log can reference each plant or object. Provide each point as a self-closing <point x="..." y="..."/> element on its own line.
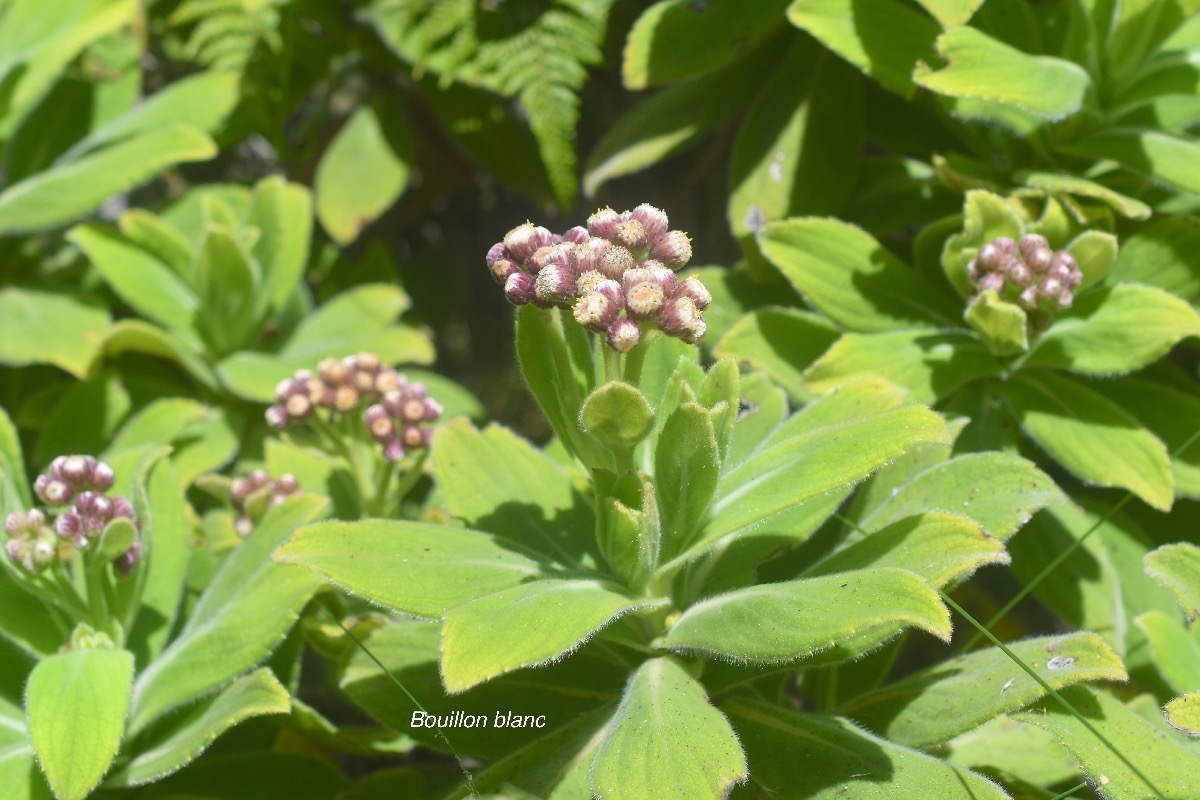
<point x="410" y="478"/>
<point x="97" y="598"/>
<point x="612" y="363"/>
<point x="1070" y="791"/>
<point x="636" y="358"/>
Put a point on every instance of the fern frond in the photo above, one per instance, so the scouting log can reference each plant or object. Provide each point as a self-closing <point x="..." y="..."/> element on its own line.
<point x="536" y="51"/>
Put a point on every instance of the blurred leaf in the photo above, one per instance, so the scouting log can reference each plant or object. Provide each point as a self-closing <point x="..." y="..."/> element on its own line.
<point x="1159" y="155"/>
<point x="1176" y="567"/>
<point x="885" y="39"/>
<point x="76" y="703"/>
<point x="65" y="193"/>
<point x="85" y="415"/>
<point x="1171" y="414"/>
<point x="282" y="213"/>
<point x="1002" y="325"/>
<point x="666" y="741"/>
<point x="362" y="172"/>
<point x="1183" y="713"/>
<point x="1161" y="254"/>
<point x="51" y="328"/>
<point x="134" y="335"/>
<point x="782" y="623"/>
<point x="1175" y="649"/>
<point x="951" y="13"/>
<point x="674" y="118"/>
<point x="1053" y="182"/>
<point x="980" y="67"/>
<point x="782" y="342"/>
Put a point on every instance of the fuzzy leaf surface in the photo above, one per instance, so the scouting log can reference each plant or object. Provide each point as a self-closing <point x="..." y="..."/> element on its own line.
<point x="779" y="623"/>
<point x="666" y="741"/>
<point x="1183" y="713"/>
<point x="55" y="329"/>
<point x="1176" y="567"/>
<point x="413" y="567"/>
<point x="530" y="625"/>
<point x="75" y="704"/>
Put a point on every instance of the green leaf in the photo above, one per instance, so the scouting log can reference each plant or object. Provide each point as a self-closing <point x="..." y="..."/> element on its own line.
<point x="673" y="119"/>
<point x="242" y="616"/>
<point x="1167" y="766"/>
<point x="75" y="704"/>
<point x="138" y="278"/>
<point x="940" y="547"/>
<point x="781" y="623"/>
<point x="1183" y="713"/>
<point x="1175" y="649"/>
<point x="800" y="148"/>
<point x="53" y="329"/>
<point x="951" y="13"/>
<point x="686" y="469"/>
<point x="1002" y="325"/>
<point x="1170" y="414"/>
<point x="14" y="486"/>
<point x="530" y="625"/>
<point x="618" y="415"/>
<point x="982" y="68"/>
<point x="781" y="342"/>
<point x="796" y="468"/>
<point x="236" y="776"/>
<point x="1058" y="183"/>
<point x="361" y="173"/>
<point x="200" y="101"/>
<point x="496" y="482"/>
<point x="985" y="216"/>
<point x="666" y="741"/>
<point x="1176" y="567"/>
<point x="1115" y="330"/>
<point x="959" y="694"/>
<point x="159" y="238"/>
<point x="282" y="213"/>
<point x="413" y="567"/>
<point x="60" y="195"/>
<point x="229" y="287"/>
<point x="20" y="776"/>
<point x="843" y="762"/>
<point x="929" y="364"/>
<point x="359" y="319"/>
<point x="1095" y="252"/>
<point x="252" y="695"/>
<point x="1160" y="255"/>
<point x="885" y="43"/>
<point x="203" y="438"/>
<point x="1166" y="158"/>
<point x="848" y="276"/>
<point x="85" y="415"/>
<point x="1000" y="491"/>
<point x="134" y="335"/>
<point x="1014" y="752"/>
<point x="673" y="39"/>
<point x="1091" y="436"/>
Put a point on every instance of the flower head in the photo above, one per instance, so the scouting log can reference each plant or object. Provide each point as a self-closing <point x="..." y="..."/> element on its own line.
<point x="1027" y="272"/>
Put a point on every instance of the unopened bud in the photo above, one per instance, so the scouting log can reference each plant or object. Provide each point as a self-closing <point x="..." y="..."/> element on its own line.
<point x="277" y="417"/>
<point x="603" y="223"/>
<point x="615" y="261"/>
<point x="53" y="491"/>
<point x="644" y="300"/>
<point x="77" y="469"/>
<point x="672" y="248"/>
<point x="298" y="406"/>
<point x="502" y="269"/>
<point x="333" y="372"/>
<point x="624" y="335"/>
<point x="414" y="436"/>
<point x="993" y="254"/>
<point x="576" y="235"/>
<point x="697" y="291"/>
<point x="1018" y="273"/>
<point x="345" y="398"/>
<point x="992" y="280"/>
<point x="393" y="451"/>
<point x="522" y="241"/>
<point x="679" y="314"/>
<point x="554" y="284"/>
<point x="596" y="311"/>
<point x="102" y="477"/>
<point x="632" y="236"/>
<point x="653" y="220"/>
<point x="518" y="288"/>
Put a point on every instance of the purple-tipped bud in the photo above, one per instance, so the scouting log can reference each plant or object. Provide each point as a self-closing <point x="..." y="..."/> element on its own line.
<point x="333" y="372"/>
<point x="367" y="362"/>
<point x="496" y="252"/>
<point x="123" y="509"/>
<point x="1035" y="251"/>
<point x="1051" y="288"/>
<point x="287" y="483"/>
<point x="993" y="254"/>
<point x="522" y="241"/>
<point x="554" y="284"/>
<point x="413" y="410"/>
<point x="603" y="224"/>
<point x="240" y="489"/>
<point x="672" y="248"/>
<point x="502" y="269"/>
<point x="53" y="491"/>
<point x="414" y="436"/>
<point x="1018" y="273"/>
<point x="298" y="406"/>
<point x="973" y="272"/>
<point x="259" y="478"/>
<point x="16" y="550"/>
<point x="102" y="477"/>
<point x="124" y="564"/>
<point x="243" y="525"/>
<point x="70" y="526"/>
<point x="992" y="280"/>
<point x="564" y="256"/>
<point x="393" y="451"/>
<point x="14" y="523"/>
<point x="518" y="288"/>
<point x="632" y="236"/>
<point x="615" y="261"/>
<point x="653" y="220"/>
<point x="345" y="399"/>
<point x="387" y="380"/>
<point x="379" y="424"/>
<point x="596" y="311"/>
<point x="536" y="262"/>
<point x="576" y="235"/>
<point x="42" y="552"/>
<point x="678" y="315"/>
<point x="77" y="469"/>
<point x="697" y="291"/>
<point x="695" y="333"/>
<point x="589" y="254"/>
<point x="643" y="300"/>
<point x="588" y="281"/>
<point x="624" y="335"/>
<point x="1065" y="299"/>
<point x="277" y="417"/>
<point x="1029" y="297"/>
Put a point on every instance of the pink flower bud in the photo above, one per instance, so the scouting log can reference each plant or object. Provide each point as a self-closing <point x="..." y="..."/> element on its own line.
<point x="672" y="248"/>
<point x="1018" y="272"/>
<point x="1030" y="246"/>
<point x="77" y="469"/>
<point x="536" y="262"/>
<point x="1065" y="299"/>
<point x="624" y="335"/>
<point x="298" y="406"/>
<point x="1029" y="297"/>
<point x="588" y="281"/>
<point x="102" y="477"/>
<point x="53" y="491"/>
<point x="345" y="399"/>
<point x="277" y="417"/>
<point x="603" y="224"/>
<point x="413" y="436"/>
<point x="973" y="272"/>
<point x="413" y="410"/>
<point x="653" y="220"/>
<point x="615" y="261"/>
<point x="596" y="311"/>
<point x="678" y="315"/>
<point x="693" y="288"/>
<point x="522" y="241"/>
<point x="554" y="284"/>
<point x="333" y="372"/>
<point x="124" y="564"/>
<point x="502" y="269"/>
<point x="243" y="525"/>
<point x="496" y="252"/>
<point x="240" y="489"/>
<point x="992" y="280"/>
<point x="577" y="235"/>
<point x="393" y="451"/>
<point x="695" y="333"/>
<point x="644" y="300"/>
<point x="518" y="288"/>
<point x="993" y="254"/>
<point x="287" y="483"/>
<point x="70" y="526"/>
<point x="387" y="380"/>
<point x="15" y="523"/>
<point x="632" y="236"/>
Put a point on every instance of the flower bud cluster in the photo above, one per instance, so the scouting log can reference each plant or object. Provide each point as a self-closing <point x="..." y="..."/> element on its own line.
<point x="395" y="408"/>
<point x="396" y="421"/>
<point x="276" y="491"/>
<point x="1027" y="272"/>
<point x="77" y="486"/>
<point x="617" y="275"/>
